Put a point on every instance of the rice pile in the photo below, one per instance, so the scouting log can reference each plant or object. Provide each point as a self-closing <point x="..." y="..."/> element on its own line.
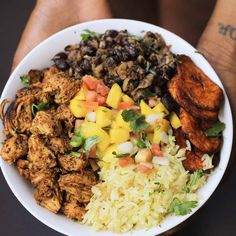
<point x="126" y="199"/>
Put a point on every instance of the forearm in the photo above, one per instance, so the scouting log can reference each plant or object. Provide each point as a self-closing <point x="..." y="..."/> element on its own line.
<point x="218" y="43"/>
<point x="50" y="16"/>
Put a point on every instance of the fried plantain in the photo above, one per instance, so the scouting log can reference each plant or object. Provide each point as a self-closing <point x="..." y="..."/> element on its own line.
<point x="202" y="92"/>
<point x="177" y="91"/>
<point x="192" y="127"/>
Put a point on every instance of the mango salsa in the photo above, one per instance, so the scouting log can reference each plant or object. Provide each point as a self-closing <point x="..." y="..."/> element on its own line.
<point x="103" y="116"/>
<point x="114" y="96"/>
<point x="89" y="129"/>
<point x="108" y="156"/>
<point x="145" y="109"/>
<point x="126" y="98"/>
<point x="119" y="135"/>
<point x="77" y="108"/>
<point x="81" y="95"/>
<point x="161" y="126"/>
<point x="160" y="108"/>
<point x="119" y="122"/>
<point x="174" y="120"/>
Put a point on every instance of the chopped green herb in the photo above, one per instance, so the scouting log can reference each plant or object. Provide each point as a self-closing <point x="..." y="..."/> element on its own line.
<point x="143" y="142"/>
<point x="76" y="141"/>
<point x="76" y="154"/>
<point x="215" y="130"/>
<point x="193" y="180"/>
<point x="88" y="34"/>
<point x="135" y="37"/>
<point x="137" y="122"/>
<point x="120" y="155"/>
<point x="77" y="131"/>
<point x="89" y="142"/>
<point x="179" y="208"/>
<point x="42" y="106"/>
<point x="201" y="53"/>
<point x="25" y="79"/>
<point x="147" y="93"/>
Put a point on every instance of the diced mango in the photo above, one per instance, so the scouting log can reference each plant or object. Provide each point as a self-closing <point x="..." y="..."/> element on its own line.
<point x="108" y="156"/>
<point x="77" y="108"/>
<point x="114" y="96"/>
<point x="103" y="116"/>
<point x="126" y="98"/>
<point x="119" y="135"/>
<point x="174" y="120"/>
<point x="121" y="123"/>
<point x="89" y="129"/>
<point x="161" y="126"/>
<point x="81" y="95"/>
<point x="160" y="108"/>
<point x="145" y="109"/>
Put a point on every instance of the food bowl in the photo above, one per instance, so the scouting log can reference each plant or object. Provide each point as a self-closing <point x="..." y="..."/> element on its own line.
<point x="40" y="57"/>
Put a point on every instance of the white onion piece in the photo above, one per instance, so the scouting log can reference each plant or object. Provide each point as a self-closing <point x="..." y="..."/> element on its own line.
<point x="188" y="145"/>
<point x="160" y="161"/>
<point x="164" y="137"/>
<point x="152" y="118"/>
<point x="147" y="164"/>
<point x="91" y="116"/>
<point x="126" y="147"/>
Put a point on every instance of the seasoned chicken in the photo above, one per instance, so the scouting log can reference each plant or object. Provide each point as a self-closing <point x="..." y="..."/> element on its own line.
<point x="193" y="159"/>
<point x="59" y="145"/>
<point x="59" y="84"/>
<point x="40" y="156"/>
<point x="46" y="124"/>
<point x="73" y="210"/>
<point x="47" y="194"/>
<point x="78" y="184"/>
<point x="177" y="91"/>
<point x="72" y="163"/>
<point x="192" y="127"/>
<point x="64" y="115"/>
<point x="18" y="116"/>
<point x="202" y="92"/>
<point x="23" y="168"/>
<point x="14" y="148"/>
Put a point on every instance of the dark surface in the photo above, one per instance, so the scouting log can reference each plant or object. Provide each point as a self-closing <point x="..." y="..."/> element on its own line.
<point x="217" y="217"/>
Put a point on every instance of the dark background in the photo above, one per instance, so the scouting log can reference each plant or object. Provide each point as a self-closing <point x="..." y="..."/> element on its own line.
<point x="187" y="18"/>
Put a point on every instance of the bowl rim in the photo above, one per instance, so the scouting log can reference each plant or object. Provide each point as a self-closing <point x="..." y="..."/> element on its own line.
<point x="105" y="21"/>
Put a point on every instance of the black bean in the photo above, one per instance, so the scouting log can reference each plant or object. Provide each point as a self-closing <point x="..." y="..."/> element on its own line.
<point x="111" y="33"/>
<point x="109" y="63"/>
<point x="132" y="51"/>
<point x="60" y="55"/>
<point x="88" y="50"/>
<point x="85" y="66"/>
<point x="61" y="64"/>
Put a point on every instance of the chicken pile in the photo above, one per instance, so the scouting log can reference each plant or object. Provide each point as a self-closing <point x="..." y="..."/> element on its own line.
<point x="199" y="99"/>
<point x="38" y="143"/>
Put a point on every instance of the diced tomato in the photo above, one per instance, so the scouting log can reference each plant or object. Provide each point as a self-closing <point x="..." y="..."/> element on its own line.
<point x="101" y="100"/>
<point x="125" y="161"/>
<point x="144" y="169"/>
<point x="156" y="150"/>
<point x="90" y="106"/>
<point x="78" y="123"/>
<point x="90" y="82"/>
<point x="125" y="105"/>
<point x="92" y="152"/>
<point x="102" y="88"/>
<point x="91" y="96"/>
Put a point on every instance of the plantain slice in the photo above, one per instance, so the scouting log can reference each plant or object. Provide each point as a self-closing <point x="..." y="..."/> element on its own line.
<point x="201" y="91"/>
<point x="177" y="91"/>
<point x="192" y="127"/>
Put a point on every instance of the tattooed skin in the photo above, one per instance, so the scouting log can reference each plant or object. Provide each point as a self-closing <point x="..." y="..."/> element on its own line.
<point x="227" y="30"/>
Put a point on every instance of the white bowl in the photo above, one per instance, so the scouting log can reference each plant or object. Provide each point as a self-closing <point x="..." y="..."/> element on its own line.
<point x="40" y="57"/>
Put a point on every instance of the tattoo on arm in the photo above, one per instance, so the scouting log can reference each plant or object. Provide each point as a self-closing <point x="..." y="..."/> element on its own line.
<point x="227" y="30"/>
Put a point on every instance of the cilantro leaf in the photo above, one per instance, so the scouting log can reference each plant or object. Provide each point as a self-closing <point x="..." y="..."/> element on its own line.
<point x="76" y="154"/>
<point x="89" y="142"/>
<point x="120" y="155"/>
<point x="137" y="122"/>
<point x="42" y="106"/>
<point x="215" y="129"/>
<point x="25" y="79"/>
<point x="76" y="141"/>
<point x="143" y="142"/>
<point x="179" y="208"/>
<point x="88" y="34"/>
<point x="193" y="180"/>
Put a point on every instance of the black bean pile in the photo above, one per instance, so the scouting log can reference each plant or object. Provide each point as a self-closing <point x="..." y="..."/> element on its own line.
<point x="142" y="66"/>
